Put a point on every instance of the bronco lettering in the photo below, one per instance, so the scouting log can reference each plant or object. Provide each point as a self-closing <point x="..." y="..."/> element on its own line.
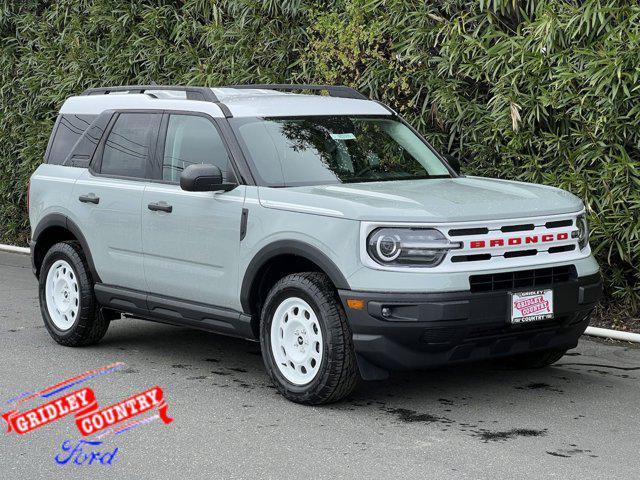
<point x="529" y="239"/>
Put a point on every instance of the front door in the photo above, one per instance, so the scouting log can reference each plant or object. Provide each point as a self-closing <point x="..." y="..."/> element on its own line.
<point x="191" y="239"/>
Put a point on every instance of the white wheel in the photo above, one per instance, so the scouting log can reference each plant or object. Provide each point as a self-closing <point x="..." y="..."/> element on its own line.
<point x="296" y="341"/>
<point x="62" y="294"/>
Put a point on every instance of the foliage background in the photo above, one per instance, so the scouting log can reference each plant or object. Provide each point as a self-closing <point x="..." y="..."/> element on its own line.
<point x="536" y="90"/>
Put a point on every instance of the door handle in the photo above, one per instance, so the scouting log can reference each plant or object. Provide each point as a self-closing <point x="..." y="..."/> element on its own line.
<point x="89" y="198"/>
<point x="160" y="207"/>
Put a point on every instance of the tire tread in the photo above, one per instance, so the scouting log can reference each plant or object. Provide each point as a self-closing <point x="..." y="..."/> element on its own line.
<point x="342" y="377"/>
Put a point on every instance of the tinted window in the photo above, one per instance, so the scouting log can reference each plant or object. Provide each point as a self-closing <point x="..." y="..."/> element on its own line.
<point x="192" y="140"/>
<point x="128" y="146"/>
<point x="340" y="149"/>
<point x="69" y="129"/>
<point x="85" y="147"/>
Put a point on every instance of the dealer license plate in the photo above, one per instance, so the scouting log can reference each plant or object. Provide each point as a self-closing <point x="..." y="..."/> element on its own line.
<point x="533" y="306"/>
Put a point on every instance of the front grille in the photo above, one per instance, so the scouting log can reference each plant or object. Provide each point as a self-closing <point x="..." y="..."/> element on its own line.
<point x="559" y="223"/>
<point x="517" y="228"/>
<point x="521" y="253"/>
<point x="504" y="242"/>
<point x="539" y="277"/>
<point x="471" y="258"/>
<point x="457" y="232"/>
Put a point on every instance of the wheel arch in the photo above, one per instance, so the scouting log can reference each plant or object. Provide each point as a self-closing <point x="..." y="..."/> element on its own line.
<point x="283" y="252"/>
<point x="54" y="228"/>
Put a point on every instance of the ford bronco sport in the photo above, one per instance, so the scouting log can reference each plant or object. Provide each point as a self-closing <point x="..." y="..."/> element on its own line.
<point x="323" y="226"/>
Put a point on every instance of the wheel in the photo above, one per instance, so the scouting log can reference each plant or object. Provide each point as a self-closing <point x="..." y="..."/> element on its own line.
<point x="306" y="341"/>
<point x="536" y="359"/>
<point x="67" y="302"/>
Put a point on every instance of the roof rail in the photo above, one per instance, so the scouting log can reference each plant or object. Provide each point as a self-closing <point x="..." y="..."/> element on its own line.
<point x="193" y="93"/>
<point x="333" y="90"/>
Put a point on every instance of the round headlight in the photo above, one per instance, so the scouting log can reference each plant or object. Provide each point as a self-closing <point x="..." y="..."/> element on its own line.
<point x="388" y="247"/>
<point x="420" y="247"/>
<point x="583" y="231"/>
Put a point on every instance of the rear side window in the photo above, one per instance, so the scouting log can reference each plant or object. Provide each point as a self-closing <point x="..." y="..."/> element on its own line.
<point x="85" y="147"/>
<point x="67" y="132"/>
<point x="127" y="149"/>
<point x="192" y="140"/>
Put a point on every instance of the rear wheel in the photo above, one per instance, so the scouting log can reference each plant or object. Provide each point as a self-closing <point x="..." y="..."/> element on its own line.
<point x="536" y="359"/>
<point x="67" y="302"/>
<point x="306" y="341"/>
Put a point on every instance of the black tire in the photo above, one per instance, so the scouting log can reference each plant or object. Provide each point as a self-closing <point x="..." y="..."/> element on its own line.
<point x="90" y="324"/>
<point x="536" y="359"/>
<point x="337" y="375"/>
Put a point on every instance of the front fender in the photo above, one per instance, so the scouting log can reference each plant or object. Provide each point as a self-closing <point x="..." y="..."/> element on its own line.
<point x="290" y="247"/>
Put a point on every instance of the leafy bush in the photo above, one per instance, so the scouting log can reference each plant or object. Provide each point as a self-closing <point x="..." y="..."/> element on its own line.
<point x="536" y="90"/>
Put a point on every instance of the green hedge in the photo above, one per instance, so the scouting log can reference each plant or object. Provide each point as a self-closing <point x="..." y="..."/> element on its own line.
<point x="544" y="91"/>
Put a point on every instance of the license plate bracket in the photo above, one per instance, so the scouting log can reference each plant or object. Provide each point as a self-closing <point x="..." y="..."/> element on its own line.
<point x="531" y="306"/>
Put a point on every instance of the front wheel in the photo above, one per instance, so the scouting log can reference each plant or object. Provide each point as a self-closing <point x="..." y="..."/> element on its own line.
<point x="306" y="341"/>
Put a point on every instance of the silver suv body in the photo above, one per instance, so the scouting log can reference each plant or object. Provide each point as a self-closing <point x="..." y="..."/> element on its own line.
<point x="323" y="226"/>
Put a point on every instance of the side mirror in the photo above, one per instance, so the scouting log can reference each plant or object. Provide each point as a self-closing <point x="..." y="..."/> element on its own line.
<point x="203" y="178"/>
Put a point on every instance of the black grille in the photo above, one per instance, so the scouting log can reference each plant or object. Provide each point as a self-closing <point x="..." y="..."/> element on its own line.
<point x="521" y="253"/>
<point x="438" y="335"/>
<point x="561" y="248"/>
<point x="518" y="228"/>
<point x="559" y="223"/>
<point x="456" y="232"/>
<point x="540" y="277"/>
<point x="471" y="258"/>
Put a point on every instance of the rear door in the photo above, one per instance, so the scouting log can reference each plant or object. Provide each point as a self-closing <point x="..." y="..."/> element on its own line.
<point x="191" y="239"/>
<point x="109" y="197"/>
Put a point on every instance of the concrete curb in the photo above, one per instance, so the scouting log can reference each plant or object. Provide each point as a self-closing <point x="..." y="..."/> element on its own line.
<point x="613" y="334"/>
<point x="14" y="249"/>
<point x="591" y="331"/>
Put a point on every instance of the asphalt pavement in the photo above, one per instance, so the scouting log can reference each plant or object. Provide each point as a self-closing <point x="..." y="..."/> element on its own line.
<point x="578" y="419"/>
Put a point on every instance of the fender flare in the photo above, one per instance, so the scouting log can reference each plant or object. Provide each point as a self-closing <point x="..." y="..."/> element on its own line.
<point x="59" y="220"/>
<point x="288" y="247"/>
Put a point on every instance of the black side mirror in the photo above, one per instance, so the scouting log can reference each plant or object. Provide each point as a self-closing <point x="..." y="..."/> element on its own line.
<point x="203" y="178"/>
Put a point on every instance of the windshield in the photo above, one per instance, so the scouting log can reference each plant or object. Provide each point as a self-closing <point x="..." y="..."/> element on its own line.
<point x="336" y="149"/>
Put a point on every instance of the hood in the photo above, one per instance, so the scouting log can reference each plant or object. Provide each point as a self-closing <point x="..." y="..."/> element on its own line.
<point x="432" y="201"/>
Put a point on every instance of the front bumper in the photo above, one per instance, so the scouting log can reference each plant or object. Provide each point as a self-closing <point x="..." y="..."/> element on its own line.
<point x="432" y="329"/>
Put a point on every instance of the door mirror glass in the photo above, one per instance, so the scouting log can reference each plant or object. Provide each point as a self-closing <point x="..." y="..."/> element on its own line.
<point x="203" y="178"/>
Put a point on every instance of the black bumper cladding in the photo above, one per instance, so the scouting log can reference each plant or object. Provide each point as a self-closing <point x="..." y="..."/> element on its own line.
<point x="397" y="331"/>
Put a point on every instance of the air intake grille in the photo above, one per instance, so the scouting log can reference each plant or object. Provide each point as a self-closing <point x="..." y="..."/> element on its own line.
<point x="540" y="277"/>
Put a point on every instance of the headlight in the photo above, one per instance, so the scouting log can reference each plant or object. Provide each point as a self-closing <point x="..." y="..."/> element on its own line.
<point x="582" y="233"/>
<point x="421" y="247"/>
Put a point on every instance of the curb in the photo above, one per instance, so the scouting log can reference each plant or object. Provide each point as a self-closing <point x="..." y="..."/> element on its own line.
<point x="14" y="249"/>
<point x="591" y="331"/>
<point x="613" y="334"/>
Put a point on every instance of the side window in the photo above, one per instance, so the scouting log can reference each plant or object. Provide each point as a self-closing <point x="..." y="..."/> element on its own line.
<point x="84" y="148"/>
<point x="127" y="150"/>
<point x="193" y="140"/>
<point x="70" y="128"/>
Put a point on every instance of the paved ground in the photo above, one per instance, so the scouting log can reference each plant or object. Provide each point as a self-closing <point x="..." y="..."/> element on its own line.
<point x="579" y="419"/>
